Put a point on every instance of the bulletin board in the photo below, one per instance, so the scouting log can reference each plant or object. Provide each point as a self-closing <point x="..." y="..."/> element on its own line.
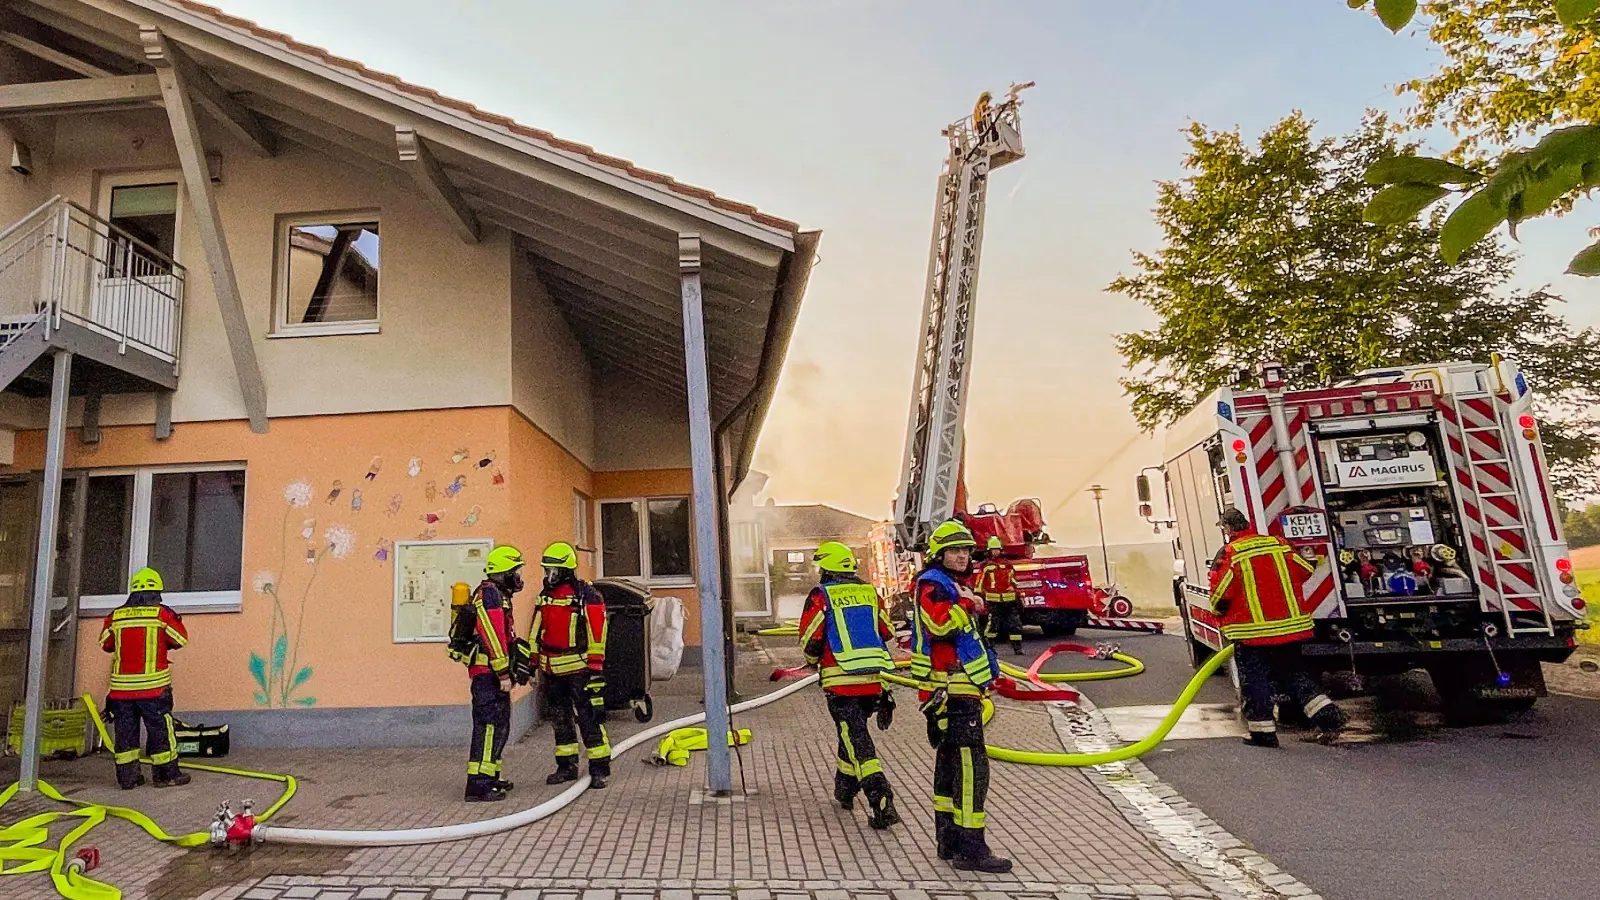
<point x="423" y="574"/>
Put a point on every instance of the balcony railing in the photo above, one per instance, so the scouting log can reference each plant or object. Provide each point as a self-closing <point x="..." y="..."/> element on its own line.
<point x="63" y="264"/>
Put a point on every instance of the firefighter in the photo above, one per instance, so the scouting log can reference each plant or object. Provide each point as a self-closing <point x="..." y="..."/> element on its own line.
<point x="489" y="667"/>
<point x="955" y="668"/>
<point x="138" y="635"/>
<point x="845" y="632"/>
<point x="1257" y="590"/>
<point x="569" y="634"/>
<point x="997" y="582"/>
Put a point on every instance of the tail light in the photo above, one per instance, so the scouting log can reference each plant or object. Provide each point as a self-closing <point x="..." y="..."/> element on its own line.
<point x="1577" y="603"/>
<point x="1238" y="451"/>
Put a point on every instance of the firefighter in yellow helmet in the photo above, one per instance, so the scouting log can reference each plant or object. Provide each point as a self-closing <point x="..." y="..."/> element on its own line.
<point x="845" y="632"/>
<point x="138" y="635"/>
<point x="980" y="114"/>
<point x="956" y="667"/>
<point x="569" y="636"/>
<point x="997" y="582"/>
<point x="484" y="637"/>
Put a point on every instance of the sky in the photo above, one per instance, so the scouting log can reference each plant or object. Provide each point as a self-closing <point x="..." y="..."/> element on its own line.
<point x="828" y="112"/>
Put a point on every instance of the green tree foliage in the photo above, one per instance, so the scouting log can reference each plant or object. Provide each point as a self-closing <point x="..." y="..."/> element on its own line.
<point x="1267" y="257"/>
<point x="1582" y="526"/>
<point x="1512" y="69"/>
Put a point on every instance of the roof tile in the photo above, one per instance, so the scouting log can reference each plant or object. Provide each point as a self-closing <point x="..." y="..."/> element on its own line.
<point x="538" y="134"/>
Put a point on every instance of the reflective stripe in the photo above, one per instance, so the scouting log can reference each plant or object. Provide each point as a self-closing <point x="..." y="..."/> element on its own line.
<point x="1317" y="704"/>
<point x="564" y="664"/>
<point x="127" y="756"/>
<point x="943" y="804"/>
<point x="833" y="676"/>
<point x="472" y="769"/>
<point x="564" y="751"/>
<point x="966" y="815"/>
<point x="846" y="768"/>
<point x="849" y="751"/>
<point x="1266" y="726"/>
<point x="869" y="768"/>
<point x="604" y="750"/>
<point x="485" y="755"/>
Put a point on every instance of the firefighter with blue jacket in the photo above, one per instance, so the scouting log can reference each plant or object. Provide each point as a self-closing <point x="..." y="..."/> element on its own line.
<point x="845" y="632"/>
<point x="955" y="667"/>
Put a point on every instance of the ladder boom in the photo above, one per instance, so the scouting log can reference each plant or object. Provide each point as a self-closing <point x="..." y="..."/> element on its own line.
<point x="930" y="470"/>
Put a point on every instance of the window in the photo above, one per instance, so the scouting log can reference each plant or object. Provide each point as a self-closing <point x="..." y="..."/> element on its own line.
<point x="328" y="275"/>
<point x="647" y="538"/>
<point x="187" y="523"/>
<point x="148" y="212"/>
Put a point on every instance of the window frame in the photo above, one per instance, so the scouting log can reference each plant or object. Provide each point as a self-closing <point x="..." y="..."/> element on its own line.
<point x="186" y="602"/>
<point x="281" y="326"/>
<point x="642" y="504"/>
<point x="109" y="181"/>
<point x="583" y="518"/>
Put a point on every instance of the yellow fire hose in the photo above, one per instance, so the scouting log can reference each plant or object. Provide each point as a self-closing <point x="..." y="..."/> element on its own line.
<point x="22" y="845"/>
<point x="790" y="628"/>
<point x="675" y="748"/>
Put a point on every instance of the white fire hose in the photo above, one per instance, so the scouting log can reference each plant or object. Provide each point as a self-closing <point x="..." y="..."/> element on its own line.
<point x="326" y="837"/>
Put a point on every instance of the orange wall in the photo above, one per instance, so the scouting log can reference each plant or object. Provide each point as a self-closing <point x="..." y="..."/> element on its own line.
<point x="335" y="615"/>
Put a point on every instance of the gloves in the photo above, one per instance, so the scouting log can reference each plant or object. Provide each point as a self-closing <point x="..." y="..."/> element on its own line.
<point x="597" y="689"/>
<point x="885" y="710"/>
<point x="932" y="709"/>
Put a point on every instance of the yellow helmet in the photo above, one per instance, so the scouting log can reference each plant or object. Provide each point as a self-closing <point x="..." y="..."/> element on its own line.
<point x="950" y="535"/>
<point x="832" y="556"/>
<point x="502" y="559"/>
<point x="559" y="555"/>
<point x="994" y="543"/>
<point x="146" y="579"/>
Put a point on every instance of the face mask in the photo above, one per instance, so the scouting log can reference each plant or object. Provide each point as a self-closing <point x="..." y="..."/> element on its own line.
<point x="514" y="581"/>
<point x="552" y="577"/>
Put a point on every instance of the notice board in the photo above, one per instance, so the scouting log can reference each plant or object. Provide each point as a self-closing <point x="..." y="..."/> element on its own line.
<point x="423" y="574"/>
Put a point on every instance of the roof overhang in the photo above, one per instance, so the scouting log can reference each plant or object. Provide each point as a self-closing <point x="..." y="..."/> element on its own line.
<point x="600" y="233"/>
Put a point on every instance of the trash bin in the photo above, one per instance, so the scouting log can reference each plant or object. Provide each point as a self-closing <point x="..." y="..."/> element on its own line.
<point x="627" y="647"/>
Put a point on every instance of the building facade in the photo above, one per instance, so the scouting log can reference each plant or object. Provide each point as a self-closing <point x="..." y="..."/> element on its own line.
<point x="322" y="337"/>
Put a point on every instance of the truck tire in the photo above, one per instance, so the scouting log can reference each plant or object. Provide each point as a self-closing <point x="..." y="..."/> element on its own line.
<point x="1198" y="653"/>
<point x="1063" y="623"/>
<point x="1462" y="707"/>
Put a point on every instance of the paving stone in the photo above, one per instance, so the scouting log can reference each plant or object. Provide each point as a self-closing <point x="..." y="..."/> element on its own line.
<point x="374" y="893"/>
<point x="524" y="894"/>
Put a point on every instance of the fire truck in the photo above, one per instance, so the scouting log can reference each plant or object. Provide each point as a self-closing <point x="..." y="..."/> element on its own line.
<point x="1421" y="495"/>
<point x="1057" y="593"/>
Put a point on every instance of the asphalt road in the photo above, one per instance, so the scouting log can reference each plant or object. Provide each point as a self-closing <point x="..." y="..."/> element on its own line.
<point x="1504" y="811"/>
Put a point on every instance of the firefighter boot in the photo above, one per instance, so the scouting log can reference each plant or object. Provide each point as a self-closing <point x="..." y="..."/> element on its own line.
<point x="566" y="770"/>
<point x="599" y="774"/>
<point x="484" y="792"/>
<point x="1267" y="739"/>
<point x="130" y="776"/>
<point x="178" y="780"/>
<point x="1016" y="648"/>
<point x="945" y="835"/>
<point x="883" y="814"/>
<point x="975" y="856"/>
<point x="504" y="786"/>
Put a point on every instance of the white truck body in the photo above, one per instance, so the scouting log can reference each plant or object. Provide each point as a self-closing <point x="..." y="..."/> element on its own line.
<point x="1421" y="494"/>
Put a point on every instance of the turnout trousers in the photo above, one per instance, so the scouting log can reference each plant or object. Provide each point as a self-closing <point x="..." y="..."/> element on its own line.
<point x="961" y="781"/>
<point x="160" y="743"/>
<point x="1267" y="671"/>
<point x="1005" y="622"/>
<point x="859" y="769"/>
<point x="491" y="725"/>
<point x="567" y="705"/>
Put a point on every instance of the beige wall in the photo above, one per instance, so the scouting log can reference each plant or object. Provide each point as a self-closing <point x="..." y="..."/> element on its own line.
<point x="551" y="382"/>
<point x="637" y="427"/>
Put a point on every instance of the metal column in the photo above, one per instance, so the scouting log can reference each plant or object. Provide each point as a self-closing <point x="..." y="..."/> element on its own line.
<point x="708" y="556"/>
<point x="44" y="569"/>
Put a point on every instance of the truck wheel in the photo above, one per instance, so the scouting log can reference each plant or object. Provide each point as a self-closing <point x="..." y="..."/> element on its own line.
<point x="1461" y="707"/>
<point x="1198" y="653"/>
<point x="1062" y="624"/>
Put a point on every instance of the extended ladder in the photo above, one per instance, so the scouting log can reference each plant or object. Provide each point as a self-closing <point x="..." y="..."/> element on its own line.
<point x="1497" y="537"/>
<point x="931" y="468"/>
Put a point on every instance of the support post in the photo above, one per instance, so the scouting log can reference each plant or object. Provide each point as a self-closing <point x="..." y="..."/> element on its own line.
<point x="44" y="567"/>
<point x="708" y="555"/>
<point x="203" y="200"/>
<point x="90" y="433"/>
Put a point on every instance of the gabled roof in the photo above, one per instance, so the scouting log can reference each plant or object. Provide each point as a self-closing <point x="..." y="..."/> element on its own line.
<point x="538" y="134"/>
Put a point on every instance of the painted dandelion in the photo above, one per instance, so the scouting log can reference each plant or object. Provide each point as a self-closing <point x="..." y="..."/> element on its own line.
<point x="298" y="493"/>
<point x="341" y="541"/>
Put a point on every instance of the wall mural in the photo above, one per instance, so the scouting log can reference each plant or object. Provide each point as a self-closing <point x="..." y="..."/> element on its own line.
<point x="281" y="680"/>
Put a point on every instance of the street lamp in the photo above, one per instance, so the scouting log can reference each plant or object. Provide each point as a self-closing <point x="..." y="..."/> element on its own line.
<point x="1105" y="556"/>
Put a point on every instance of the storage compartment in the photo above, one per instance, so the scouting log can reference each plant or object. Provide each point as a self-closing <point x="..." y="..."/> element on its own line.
<point x="1393" y="514"/>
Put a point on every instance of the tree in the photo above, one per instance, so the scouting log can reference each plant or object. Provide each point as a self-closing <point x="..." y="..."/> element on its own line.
<point x="1513" y="68"/>
<point x="1582" y="527"/>
<point x="1267" y="257"/>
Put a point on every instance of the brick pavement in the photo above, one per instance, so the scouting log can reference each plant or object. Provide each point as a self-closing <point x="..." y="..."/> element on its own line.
<point x="651" y="833"/>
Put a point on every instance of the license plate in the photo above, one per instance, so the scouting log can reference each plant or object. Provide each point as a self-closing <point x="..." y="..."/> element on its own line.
<point x="1299" y="526"/>
<point x="1034" y="601"/>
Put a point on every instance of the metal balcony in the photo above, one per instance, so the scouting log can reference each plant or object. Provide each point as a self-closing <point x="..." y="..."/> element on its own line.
<point x="72" y="281"/>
